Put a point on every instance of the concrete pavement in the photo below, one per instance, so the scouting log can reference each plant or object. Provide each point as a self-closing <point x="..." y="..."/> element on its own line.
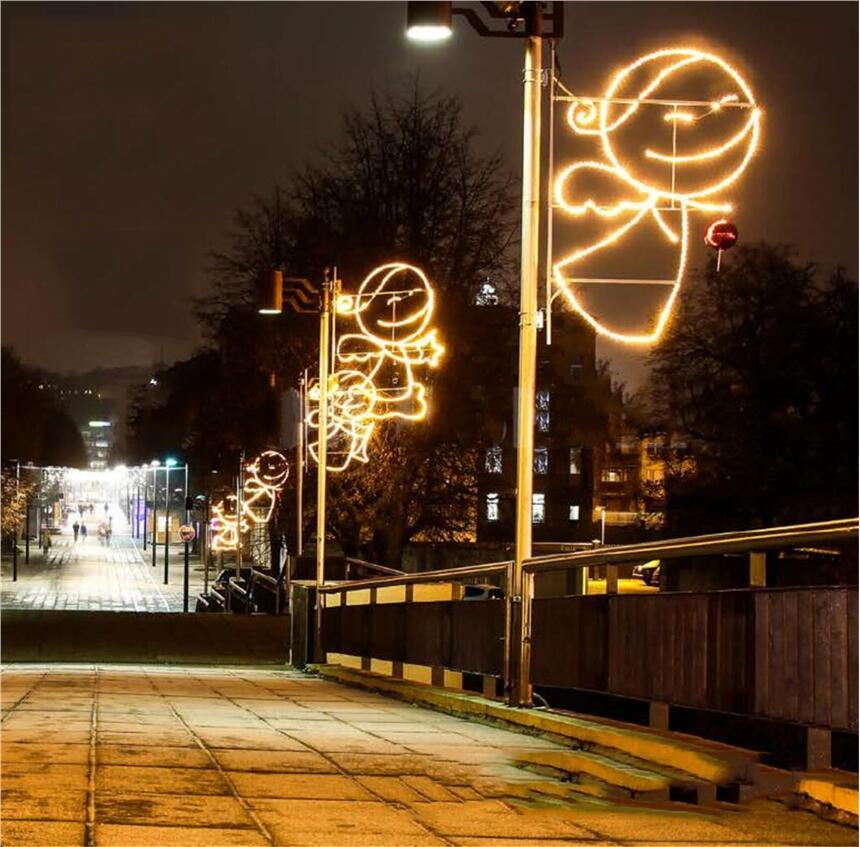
<point x="90" y="576"/>
<point x="147" y="755"/>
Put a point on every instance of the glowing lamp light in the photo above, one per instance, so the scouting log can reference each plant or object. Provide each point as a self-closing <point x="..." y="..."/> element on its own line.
<point x="428" y="21"/>
<point x="377" y="379"/>
<point x="693" y="180"/>
<point x="170" y="462"/>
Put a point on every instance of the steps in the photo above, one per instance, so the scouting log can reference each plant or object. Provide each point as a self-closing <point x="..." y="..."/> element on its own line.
<point x="610" y="761"/>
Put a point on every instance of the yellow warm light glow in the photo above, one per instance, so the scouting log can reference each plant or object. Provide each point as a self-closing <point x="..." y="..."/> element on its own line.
<point x="392" y="311"/>
<point x="266" y="476"/>
<point x="647" y="197"/>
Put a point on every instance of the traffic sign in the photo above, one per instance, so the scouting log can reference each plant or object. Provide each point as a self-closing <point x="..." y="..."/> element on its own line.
<point x="187" y="532"/>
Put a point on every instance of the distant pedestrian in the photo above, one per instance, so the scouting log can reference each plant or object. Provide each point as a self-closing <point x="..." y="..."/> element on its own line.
<point x="83" y="531"/>
<point x="91" y="508"/>
<point x="108" y="534"/>
<point x="76" y="528"/>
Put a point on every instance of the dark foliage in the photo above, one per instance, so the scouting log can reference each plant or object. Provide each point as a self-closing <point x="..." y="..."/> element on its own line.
<point x="759" y="373"/>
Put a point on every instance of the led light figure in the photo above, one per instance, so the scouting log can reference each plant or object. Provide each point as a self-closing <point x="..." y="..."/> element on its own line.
<point x="661" y="184"/>
<point x="393" y="311"/>
<point x="225" y="525"/>
<point x="267" y="475"/>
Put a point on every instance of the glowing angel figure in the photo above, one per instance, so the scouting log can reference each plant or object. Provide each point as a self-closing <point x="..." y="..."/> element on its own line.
<point x="649" y="182"/>
<point x="225" y="525"/>
<point x="393" y="309"/>
<point x="267" y="475"/>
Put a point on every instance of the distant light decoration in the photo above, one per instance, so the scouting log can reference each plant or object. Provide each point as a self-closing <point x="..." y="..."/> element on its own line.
<point x="266" y="476"/>
<point x="393" y="311"/>
<point x="692" y="181"/>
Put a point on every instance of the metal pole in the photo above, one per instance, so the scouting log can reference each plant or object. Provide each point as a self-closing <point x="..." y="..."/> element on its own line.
<point x="521" y="693"/>
<point x="15" y="529"/>
<point x="27" y="531"/>
<point x="185" y="552"/>
<point x="325" y="313"/>
<point x="154" y="512"/>
<point x="145" y="506"/>
<point x="239" y="483"/>
<point x="166" y="522"/>
<point x="206" y="547"/>
<point x="300" y="469"/>
<point x="135" y="526"/>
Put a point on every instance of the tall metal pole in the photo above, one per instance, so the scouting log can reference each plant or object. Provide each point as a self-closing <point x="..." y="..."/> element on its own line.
<point x="185" y="551"/>
<point x="154" y="513"/>
<point x="322" y="461"/>
<point x="530" y="250"/>
<point x="15" y="530"/>
<point x="145" y="505"/>
<point x="27" y="531"/>
<point x="300" y="469"/>
<point x="166" y="522"/>
<point x="240" y="482"/>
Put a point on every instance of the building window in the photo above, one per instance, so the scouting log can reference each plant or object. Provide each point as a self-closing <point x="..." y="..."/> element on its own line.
<point x="615" y="475"/>
<point x="576" y="367"/>
<point x="542" y="401"/>
<point x="541" y="460"/>
<point x="543" y="421"/>
<point x="575" y="461"/>
<point x="492" y="507"/>
<point x="493" y="460"/>
<point x="573" y="513"/>
<point x="538" y="507"/>
<point x="487" y="296"/>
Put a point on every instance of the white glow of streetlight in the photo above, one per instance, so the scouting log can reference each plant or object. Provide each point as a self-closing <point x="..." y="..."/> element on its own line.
<point x="428" y="32"/>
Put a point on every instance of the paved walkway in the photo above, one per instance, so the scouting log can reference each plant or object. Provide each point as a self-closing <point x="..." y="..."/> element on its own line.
<point x="89" y="575"/>
<point x="122" y="755"/>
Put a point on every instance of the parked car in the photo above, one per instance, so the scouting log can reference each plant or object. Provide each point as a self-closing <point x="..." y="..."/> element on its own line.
<point x="648" y="572"/>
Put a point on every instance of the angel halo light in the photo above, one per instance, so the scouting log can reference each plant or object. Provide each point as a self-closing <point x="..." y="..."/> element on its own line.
<point x="265" y="477"/>
<point x="377" y="378"/>
<point x="650" y="183"/>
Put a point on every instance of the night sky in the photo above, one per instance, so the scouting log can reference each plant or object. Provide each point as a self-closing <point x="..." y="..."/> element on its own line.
<point x="131" y="132"/>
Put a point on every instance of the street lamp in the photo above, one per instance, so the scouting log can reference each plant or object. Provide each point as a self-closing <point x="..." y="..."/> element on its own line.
<point x="428" y="21"/>
<point x="523" y="20"/>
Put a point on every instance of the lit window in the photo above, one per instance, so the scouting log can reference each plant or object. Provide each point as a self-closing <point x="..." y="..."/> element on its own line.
<point x="575" y="460"/>
<point x="492" y="507"/>
<point x="487" y="295"/>
<point x="573" y="514"/>
<point x="614" y="475"/>
<point x="493" y="460"/>
<point x="543" y="421"/>
<point x="541" y="460"/>
<point x="542" y="401"/>
<point x="538" y="507"/>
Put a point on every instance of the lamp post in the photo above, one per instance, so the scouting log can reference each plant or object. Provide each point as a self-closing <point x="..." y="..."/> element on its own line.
<point x="168" y="464"/>
<point x="431" y="21"/>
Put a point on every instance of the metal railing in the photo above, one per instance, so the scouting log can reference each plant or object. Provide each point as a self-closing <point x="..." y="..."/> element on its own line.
<point x="517" y="664"/>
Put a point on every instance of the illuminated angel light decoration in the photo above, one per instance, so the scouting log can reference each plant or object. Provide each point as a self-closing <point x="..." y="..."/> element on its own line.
<point x="266" y="476"/>
<point x="654" y="184"/>
<point x="376" y="379"/>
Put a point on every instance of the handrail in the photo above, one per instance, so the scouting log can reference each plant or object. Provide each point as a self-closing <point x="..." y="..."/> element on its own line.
<point x="372" y="566"/>
<point x="234" y="586"/>
<point x="423" y="577"/>
<point x="697" y="545"/>
<point x="263" y="577"/>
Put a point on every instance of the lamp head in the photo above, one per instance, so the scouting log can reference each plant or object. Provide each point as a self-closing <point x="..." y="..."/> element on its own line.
<point x="428" y="21"/>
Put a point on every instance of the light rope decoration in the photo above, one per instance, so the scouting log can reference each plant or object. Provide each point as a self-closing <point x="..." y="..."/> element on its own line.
<point x="267" y="475"/>
<point x="644" y="199"/>
<point x="392" y="310"/>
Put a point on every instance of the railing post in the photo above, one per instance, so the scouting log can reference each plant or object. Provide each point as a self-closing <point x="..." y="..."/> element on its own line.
<point x="611" y="579"/>
<point x="518" y="626"/>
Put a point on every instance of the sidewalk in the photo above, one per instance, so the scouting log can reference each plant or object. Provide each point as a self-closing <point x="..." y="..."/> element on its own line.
<point x="144" y="755"/>
<point x="89" y="575"/>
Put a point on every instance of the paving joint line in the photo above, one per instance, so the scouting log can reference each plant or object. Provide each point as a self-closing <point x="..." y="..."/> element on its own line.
<point x="261" y="827"/>
<point x="90" y="824"/>
<point x="342" y="771"/>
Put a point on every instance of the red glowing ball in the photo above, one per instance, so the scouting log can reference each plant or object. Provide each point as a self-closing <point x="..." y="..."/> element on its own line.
<point x="721" y="235"/>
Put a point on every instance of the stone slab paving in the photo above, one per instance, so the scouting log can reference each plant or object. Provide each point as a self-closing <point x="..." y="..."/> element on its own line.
<point x="89" y="575"/>
<point x="168" y="755"/>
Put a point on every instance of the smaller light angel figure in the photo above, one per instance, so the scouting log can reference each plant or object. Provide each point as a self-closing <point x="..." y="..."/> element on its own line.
<point x="641" y="180"/>
<point x="225" y="525"/>
<point x="392" y="309"/>
<point x="267" y="475"/>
